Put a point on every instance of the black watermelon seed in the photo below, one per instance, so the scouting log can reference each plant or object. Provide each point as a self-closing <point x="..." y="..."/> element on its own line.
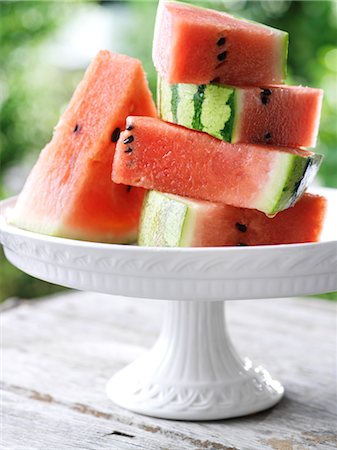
<point x="222" y="56"/>
<point x="128" y="140"/>
<point x="264" y="95"/>
<point x="241" y="227"/>
<point x="128" y="188"/>
<point x="221" y="41"/>
<point x="77" y="127"/>
<point x="128" y="150"/>
<point x="115" y="134"/>
<point x="267" y="136"/>
<point x="241" y="244"/>
<point x="264" y="99"/>
<point x="129" y="127"/>
<point x="215" y="80"/>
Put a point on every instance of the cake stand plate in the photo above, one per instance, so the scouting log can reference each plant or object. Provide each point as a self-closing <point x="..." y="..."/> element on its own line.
<point x="193" y="371"/>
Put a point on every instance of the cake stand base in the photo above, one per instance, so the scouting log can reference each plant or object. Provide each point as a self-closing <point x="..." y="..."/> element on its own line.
<point x="193" y="372"/>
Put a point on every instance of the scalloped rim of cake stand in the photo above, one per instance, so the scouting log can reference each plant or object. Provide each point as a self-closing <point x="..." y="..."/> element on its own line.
<point x="219" y="273"/>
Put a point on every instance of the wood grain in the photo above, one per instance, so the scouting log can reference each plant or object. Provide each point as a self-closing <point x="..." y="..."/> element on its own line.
<point x="59" y="352"/>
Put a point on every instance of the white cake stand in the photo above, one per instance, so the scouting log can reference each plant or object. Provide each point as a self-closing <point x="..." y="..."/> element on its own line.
<point x="192" y="372"/>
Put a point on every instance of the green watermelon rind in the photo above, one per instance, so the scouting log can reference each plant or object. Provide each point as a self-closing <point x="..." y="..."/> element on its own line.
<point x="166" y="221"/>
<point x="208" y="108"/>
<point x="294" y="174"/>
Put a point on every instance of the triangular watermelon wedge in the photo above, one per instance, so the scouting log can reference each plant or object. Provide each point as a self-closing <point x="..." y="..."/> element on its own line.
<point x="69" y="192"/>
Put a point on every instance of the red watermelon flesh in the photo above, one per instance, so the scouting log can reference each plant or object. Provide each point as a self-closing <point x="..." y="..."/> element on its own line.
<point x="197" y="45"/>
<point x="169" y="158"/>
<point x="69" y="191"/>
<point x="285" y="115"/>
<point x="173" y="221"/>
<point x="301" y="223"/>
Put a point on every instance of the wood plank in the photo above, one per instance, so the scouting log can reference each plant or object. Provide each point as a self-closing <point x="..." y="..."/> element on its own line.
<point x="59" y="352"/>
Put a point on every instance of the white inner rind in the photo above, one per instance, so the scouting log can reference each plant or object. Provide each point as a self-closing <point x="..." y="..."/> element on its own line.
<point x="25" y="220"/>
<point x="238" y="109"/>
<point x="190" y="226"/>
<point x="273" y="188"/>
<point x="169" y="220"/>
<point x="165" y="108"/>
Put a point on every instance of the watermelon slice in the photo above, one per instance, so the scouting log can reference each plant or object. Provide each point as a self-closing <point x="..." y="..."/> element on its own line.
<point x="173" y="221"/>
<point x="69" y="192"/>
<point x="278" y="115"/>
<point x="157" y="155"/>
<point x="197" y="45"/>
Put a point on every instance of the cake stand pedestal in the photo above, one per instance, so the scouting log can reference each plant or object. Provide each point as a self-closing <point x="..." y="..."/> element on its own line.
<point x="192" y="372"/>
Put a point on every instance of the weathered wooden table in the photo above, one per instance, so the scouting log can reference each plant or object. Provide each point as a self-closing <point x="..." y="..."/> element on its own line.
<point x="59" y="352"/>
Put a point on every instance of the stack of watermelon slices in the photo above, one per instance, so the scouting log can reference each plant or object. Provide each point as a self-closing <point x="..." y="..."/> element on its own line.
<point x="226" y="164"/>
<point x="224" y="157"/>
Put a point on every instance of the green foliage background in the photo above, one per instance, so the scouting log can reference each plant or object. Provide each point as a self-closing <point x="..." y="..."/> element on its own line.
<point x="33" y="92"/>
